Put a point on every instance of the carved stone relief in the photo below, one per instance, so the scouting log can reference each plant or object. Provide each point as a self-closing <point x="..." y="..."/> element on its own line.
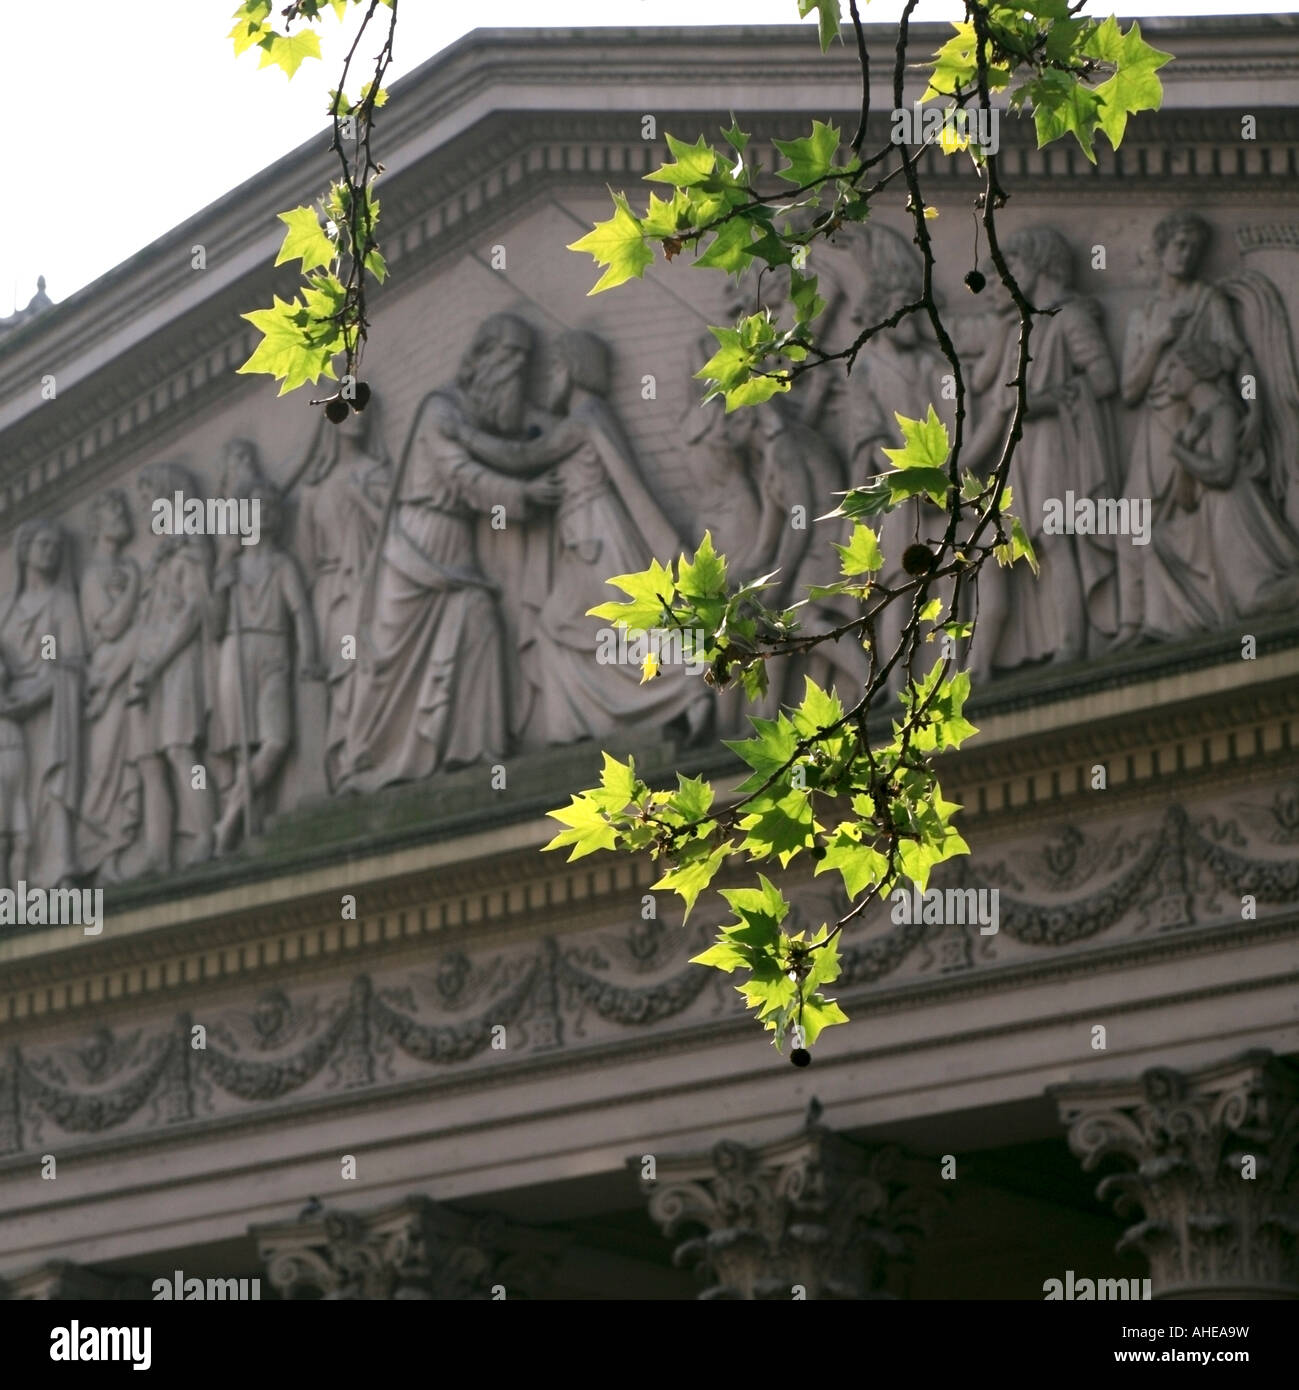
<point x="812" y="1217"/>
<point x="1070" y="886"/>
<point x="412" y="1249"/>
<point x="1213" y="1172"/>
<point x="402" y="616"/>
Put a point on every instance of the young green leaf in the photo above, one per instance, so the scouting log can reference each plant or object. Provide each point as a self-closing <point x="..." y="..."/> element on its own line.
<point x="618" y="245"/>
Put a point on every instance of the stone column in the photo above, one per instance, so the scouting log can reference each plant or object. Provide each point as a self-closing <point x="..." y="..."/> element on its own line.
<point x="812" y="1216"/>
<point x="412" y="1249"/>
<point x="1214" y="1175"/>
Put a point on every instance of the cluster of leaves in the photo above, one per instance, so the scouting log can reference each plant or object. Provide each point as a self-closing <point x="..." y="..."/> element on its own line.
<point x="334" y="240"/>
<point x="1062" y="53"/>
<point x="858" y="798"/>
<point x="869" y="808"/>
<point x="854" y="791"/>
<point x="1077" y="76"/>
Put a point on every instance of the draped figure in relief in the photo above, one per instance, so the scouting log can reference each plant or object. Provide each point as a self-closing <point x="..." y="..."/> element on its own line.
<point x="431" y="686"/>
<point x="110" y="601"/>
<point x="607" y="522"/>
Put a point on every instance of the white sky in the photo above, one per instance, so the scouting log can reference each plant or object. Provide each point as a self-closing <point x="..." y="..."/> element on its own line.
<point x="114" y="139"/>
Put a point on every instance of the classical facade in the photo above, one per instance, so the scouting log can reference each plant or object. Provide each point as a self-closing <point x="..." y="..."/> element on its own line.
<point x="344" y="1029"/>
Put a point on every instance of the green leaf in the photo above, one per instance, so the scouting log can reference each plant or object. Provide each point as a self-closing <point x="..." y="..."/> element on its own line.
<point x="761" y="910"/>
<point x="781" y="826"/>
<point x="933" y="482"/>
<point x="705" y="575"/>
<point x="811" y="157"/>
<point x="735" y="137"/>
<point x="819" y="1014"/>
<point x="724" y="955"/>
<point x="289" y="350"/>
<point x="618" y="245"/>
<point x="649" y="592"/>
<point x="288" y="51"/>
<point x="1021" y="545"/>
<point x="861" y="866"/>
<point x="825" y="961"/>
<point x="956" y="65"/>
<point x="1061" y="105"/>
<point x="617" y="785"/>
<point x="820" y="710"/>
<point x="692" y="799"/>
<point x="756" y="390"/>
<point x="1134" y="86"/>
<point x="770" y="248"/>
<point x="772" y="748"/>
<point x="305" y="240"/>
<point x="862" y="553"/>
<point x="690" y="879"/>
<point x="588" y="828"/>
<point x="729" y="248"/>
<point x="827" y="19"/>
<point x="248" y="33"/>
<point x="926" y="442"/>
<point x="768" y="993"/>
<point x="695" y="164"/>
<point x="666" y="218"/>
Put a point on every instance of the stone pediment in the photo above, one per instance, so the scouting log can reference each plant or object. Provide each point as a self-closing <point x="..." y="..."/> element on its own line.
<point x="423" y="533"/>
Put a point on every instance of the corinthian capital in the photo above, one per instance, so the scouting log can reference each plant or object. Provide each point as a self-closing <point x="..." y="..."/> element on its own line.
<point x="1214" y="1172"/>
<point x="812" y="1216"/>
<point x="412" y="1249"/>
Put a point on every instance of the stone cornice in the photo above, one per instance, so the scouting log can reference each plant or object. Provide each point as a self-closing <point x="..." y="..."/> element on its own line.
<point x="1055" y="969"/>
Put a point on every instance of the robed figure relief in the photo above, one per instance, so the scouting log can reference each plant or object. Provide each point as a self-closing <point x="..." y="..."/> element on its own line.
<point x="340" y="509"/>
<point x="110" y="600"/>
<point x="262" y="619"/>
<point x="798" y="472"/>
<point x="1067" y="447"/>
<point x="170" y="684"/>
<point x="715" y="448"/>
<point x="1218" y="504"/>
<point x="897" y="372"/>
<point x="606" y="523"/>
<point x="42" y="658"/>
<point x="430" y="690"/>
